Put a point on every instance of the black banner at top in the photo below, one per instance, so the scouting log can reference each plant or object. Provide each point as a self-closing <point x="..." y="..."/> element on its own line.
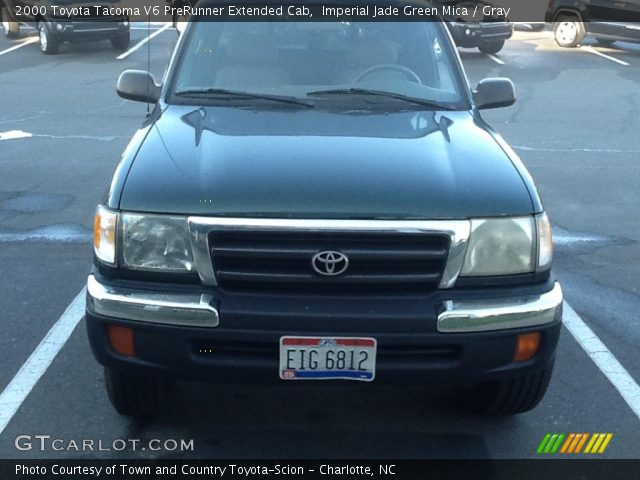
<point x="328" y="10"/>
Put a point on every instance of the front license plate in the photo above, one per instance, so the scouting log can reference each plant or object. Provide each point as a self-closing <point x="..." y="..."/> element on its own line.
<point x="324" y="358"/>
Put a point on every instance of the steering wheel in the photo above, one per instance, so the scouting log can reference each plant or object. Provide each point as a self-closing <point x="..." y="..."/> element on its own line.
<point x="390" y="66"/>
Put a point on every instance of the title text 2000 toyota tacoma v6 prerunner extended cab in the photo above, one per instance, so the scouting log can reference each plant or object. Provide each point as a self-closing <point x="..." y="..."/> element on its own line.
<point x="321" y="201"/>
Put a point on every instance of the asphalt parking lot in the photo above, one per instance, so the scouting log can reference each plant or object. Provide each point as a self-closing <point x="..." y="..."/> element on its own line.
<point x="62" y="130"/>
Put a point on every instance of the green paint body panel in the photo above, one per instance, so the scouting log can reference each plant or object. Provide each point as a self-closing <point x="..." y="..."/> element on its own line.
<point x="320" y="164"/>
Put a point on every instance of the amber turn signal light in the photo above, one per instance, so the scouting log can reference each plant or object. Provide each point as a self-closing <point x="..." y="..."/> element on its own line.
<point x="121" y="340"/>
<point x="104" y="235"/>
<point x="527" y="346"/>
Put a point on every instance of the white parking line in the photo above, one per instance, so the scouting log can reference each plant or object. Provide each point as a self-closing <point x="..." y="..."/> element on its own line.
<point x="143" y="41"/>
<point x="495" y="59"/>
<point x="600" y="54"/>
<point x="14" y="394"/>
<point x="603" y="358"/>
<point x="28" y="41"/>
<point x="14" y="135"/>
<point x="143" y="25"/>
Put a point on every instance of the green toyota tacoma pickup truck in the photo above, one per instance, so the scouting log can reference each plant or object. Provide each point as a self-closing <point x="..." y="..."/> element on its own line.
<point x="321" y="201"/>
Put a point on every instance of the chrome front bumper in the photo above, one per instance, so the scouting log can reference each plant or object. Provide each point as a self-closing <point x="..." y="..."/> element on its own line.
<point x="170" y="309"/>
<point x="200" y="310"/>
<point x="500" y="314"/>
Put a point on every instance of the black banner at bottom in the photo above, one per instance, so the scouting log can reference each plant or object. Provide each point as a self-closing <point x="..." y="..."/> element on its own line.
<point x="569" y="469"/>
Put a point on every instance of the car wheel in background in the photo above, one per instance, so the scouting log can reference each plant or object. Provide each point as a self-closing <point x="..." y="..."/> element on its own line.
<point x="48" y="44"/>
<point x="121" y="42"/>
<point x="136" y="395"/>
<point x="11" y="29"/>
<point x="492" y="46"/>
<point x="512" y="395"/>
<point x="568" y="31"/>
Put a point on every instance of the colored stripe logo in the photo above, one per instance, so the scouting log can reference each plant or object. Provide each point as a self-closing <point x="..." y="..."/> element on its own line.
<point x="574" y="443"/>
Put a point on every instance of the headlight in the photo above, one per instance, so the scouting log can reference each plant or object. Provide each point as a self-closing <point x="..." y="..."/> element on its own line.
<point x="501" y="246"/>
<point x="104" y="235"/>
<point x="155" y="242"/>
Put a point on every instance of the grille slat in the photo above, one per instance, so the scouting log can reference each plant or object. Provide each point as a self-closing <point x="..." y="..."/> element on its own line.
<point x="285" y="278"/>
<point x="248" y="259"/>
<point x="246" y="252"/>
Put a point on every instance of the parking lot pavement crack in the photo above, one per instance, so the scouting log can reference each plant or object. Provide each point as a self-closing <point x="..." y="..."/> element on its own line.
<point x="566" y="238"/>
<point x="52" y="233"/>
<point x="526" y="148"/>
<point x="97" y="138"/>
<point x="20" y="120"/>
<point x="20" y="134"/>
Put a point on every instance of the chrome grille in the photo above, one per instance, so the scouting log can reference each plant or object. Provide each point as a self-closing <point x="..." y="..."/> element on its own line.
<point x="247" y="259"/>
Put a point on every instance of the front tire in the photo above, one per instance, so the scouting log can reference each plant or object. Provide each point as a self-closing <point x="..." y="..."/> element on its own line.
<point x="491" y="46"/>
<point x="136" y="395"/>
<point x="511" y="395"/>
<point x="11" y="28"/>
<point x="121" y="42"/>
<point x="568" y="31"/>
<point x="48" y="43"/>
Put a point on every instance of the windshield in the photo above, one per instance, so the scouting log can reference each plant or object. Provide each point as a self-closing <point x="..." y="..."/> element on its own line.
<point x="352" y="65"/>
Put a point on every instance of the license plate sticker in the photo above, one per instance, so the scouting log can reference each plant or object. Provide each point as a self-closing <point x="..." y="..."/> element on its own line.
<point x="327" y="358"/>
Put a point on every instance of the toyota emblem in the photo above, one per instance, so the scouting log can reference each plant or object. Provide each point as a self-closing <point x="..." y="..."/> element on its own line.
<point x="330" y="263"/>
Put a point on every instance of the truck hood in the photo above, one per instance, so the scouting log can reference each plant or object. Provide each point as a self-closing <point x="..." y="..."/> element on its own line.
<point x="315" y="164"/>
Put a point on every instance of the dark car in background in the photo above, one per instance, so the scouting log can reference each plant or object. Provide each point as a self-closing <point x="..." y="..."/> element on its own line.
<point x="486" y="37"/>
<point x="487" y="33"/>
<point x="55" y="29"/>
<point x="605" y="20"/>
<point x="321" y="201"/>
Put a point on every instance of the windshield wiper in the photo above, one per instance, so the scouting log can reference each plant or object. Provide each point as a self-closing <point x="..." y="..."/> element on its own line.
<point x="224" y="94"/>
<point x="381" y="93"/>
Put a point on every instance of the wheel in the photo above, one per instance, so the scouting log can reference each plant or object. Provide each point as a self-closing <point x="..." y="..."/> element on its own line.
<point x="510" y="396"/>
<point x="604" y="41"/>
<point x="136" y="395"/>
<point x="121" y="42"/>
<point x="491" y="46"/>
<point x="48" y="43"/>
<point x="568" y="31"/>
<point x="11" y="29"/>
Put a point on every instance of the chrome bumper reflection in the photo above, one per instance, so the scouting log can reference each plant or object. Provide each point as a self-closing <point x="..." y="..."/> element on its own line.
<point x="141" y="305"/>
<point x="485" y="315"/>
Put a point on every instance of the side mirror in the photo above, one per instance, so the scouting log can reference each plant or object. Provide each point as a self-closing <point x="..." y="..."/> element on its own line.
<point x="494" y="93"/>
<point x="139" y="86"/>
